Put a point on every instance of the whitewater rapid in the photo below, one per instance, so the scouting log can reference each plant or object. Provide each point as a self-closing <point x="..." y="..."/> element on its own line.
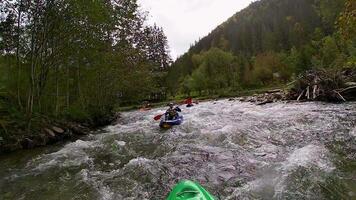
<point x="236" y="150"/>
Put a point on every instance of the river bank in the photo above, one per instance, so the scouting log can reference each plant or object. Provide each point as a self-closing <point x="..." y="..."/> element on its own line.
<point x="45" y="130"/>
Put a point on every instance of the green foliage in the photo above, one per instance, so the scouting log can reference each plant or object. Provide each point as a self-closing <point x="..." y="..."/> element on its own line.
<point x="76" y="114"/>
<point x="214" y="70"/>
<point x="269" y="68"/>
<point x="326" y="10"/>
<point x="271" y="42"/>
<point x="77" y="59"/>
<point x="347" y="21"/>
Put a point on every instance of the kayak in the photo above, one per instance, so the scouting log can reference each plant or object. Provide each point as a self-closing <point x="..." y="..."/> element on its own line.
<point x="169" y="123"/>
<point x="189" y="190"/>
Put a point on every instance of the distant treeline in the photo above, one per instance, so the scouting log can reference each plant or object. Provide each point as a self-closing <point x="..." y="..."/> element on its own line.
<point x="77" y="59"/>
<point x="269" y="43"/>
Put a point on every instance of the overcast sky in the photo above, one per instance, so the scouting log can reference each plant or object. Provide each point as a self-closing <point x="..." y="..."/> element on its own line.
<point x="185" y="21"/>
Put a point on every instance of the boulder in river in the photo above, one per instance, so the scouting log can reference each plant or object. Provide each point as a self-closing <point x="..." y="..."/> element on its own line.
<point x="57" y="130"/>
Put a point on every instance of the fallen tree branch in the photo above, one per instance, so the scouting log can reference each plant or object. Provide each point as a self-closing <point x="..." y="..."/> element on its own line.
<point x="301" y="94"/>
<point x="314" y="91"/>
<point x="348" y="89"/>
<point x="323" y="85"/>
<point x="340" y="95"/>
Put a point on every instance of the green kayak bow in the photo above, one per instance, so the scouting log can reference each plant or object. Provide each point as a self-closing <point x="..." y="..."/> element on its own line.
<point x="188" y="190"/>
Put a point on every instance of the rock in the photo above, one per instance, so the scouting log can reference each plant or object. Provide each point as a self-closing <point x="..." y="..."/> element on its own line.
<point x="241" y="99"/>
<point x="79" y="130"/>
<point x="116" y="119"/>
<point x="260" y="154"/>
<point x="43" y="139"/>
<point x="350" y="84"/>
<point x="274" y="91"/>
<point x="1" y="139"/>
<point x="57" y="130"/>
<point x="27" y="143"/>
<point x="49" y="132"/>
<point x="265" y="102"/>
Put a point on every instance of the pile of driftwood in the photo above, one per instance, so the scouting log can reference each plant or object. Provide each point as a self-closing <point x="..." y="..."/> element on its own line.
<point x="324" y="85"/>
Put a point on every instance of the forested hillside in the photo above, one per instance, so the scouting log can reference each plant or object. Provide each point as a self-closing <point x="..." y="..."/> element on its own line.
<point x="269" y="43"/>
<point x="76" y="60"/>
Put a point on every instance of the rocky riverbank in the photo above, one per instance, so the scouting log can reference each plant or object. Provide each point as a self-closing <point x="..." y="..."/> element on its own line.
<point x="48" y="133"/>
<point x="264" y="98"/>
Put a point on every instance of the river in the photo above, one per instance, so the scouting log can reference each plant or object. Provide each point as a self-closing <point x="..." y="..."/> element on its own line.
<point x="235" y="150"/>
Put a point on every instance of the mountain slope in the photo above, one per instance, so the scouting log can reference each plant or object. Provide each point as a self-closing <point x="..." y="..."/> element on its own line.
<point x="277" y="26"/>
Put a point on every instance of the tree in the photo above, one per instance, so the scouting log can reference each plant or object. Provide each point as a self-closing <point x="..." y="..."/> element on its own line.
<point x="75" y="56"/>
<point x="269" y="68"/>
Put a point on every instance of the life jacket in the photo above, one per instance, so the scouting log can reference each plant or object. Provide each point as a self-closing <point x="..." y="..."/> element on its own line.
<point x="188" y="101"/>
<point x="171" y="113"/>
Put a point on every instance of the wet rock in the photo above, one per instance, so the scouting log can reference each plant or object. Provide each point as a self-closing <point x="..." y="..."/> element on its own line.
<point x="265" y="98"/>
<point x="116" y="119"/>
<point x="44" y="139"/>
<point x="27" y="143"/>
<point x="350" y="84"/>
<point x="50" y="133"/>
<point x="57" y="130"/>
<point x="78" y="129"/>
<point x="265" y="102"/>
<point x="260" y="154"/>
<point x="241" y="99"/>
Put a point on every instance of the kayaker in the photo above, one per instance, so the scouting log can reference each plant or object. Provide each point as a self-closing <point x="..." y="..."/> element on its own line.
<point x="146" y="106"/>
<point x="172" y="113"/>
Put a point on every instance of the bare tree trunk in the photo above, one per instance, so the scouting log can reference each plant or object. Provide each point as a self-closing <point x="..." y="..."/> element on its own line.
<point x="79" y="87"/>
<point x="57" y="92"/>
<point x="18" y="56"/>
<point x="68" y="85"/>
<point x="33" y="63"/>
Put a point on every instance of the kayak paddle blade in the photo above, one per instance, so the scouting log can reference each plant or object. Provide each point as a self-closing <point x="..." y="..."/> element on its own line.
<point x="158" y="117"/>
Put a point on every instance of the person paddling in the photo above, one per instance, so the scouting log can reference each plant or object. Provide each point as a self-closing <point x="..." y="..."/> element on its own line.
<point x="189" y="102"/>
<point x="172" y="113"/>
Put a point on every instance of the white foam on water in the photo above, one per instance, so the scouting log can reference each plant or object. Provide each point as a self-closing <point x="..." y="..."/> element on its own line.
<point x="120" y="143"/>
<point x="139" y="161"/>
<point x="73" y="154"/>
<point x="309" y="156"/>
<point x="104" y="191"/>
<point x="353" y="132"/>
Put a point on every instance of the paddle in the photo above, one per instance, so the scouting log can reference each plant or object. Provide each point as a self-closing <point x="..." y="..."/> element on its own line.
<point x="158" y="117"/>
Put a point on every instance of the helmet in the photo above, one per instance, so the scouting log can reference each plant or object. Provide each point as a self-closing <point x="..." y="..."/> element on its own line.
<point x="170" y="104"/>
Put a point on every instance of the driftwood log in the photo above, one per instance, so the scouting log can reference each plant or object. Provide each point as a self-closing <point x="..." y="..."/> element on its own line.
<point x="324" y="85"/>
